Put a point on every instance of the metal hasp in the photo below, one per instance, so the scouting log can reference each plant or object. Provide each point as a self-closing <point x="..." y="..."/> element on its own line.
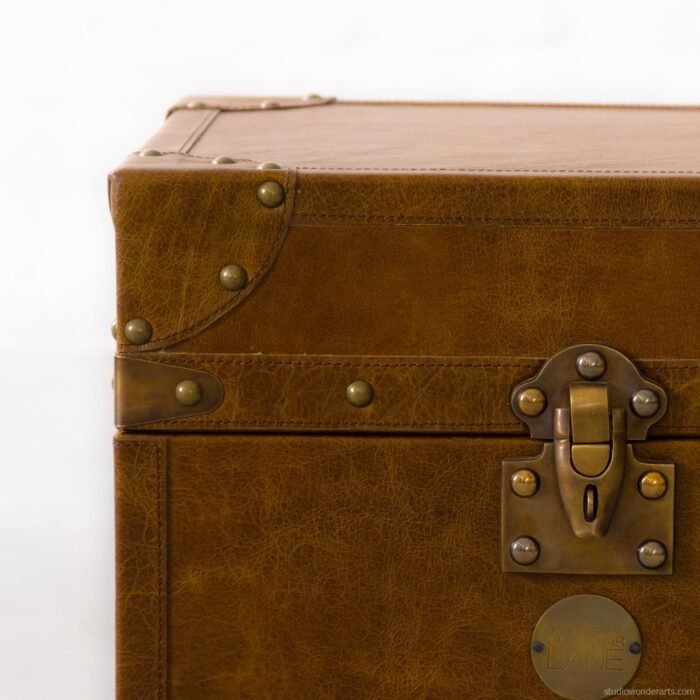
<point x="597" y="508"/>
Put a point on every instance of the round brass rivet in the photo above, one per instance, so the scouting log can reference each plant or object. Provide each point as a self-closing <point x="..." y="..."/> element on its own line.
<point x="590" y="365"/>
<point x="652" y="485"/>
<point x="270" y="104"/>
<point x="312" y="96"/>
<point x="271" y="194"/>
<point x="188" y="392"/>
<point x="651" y="554"/>
<point x="360" y="393"/>
<point x="645" y="403"/>
<point x="196" y="105"/>
<point x="138" y="331"/>
<point x="233" y="277"/>
<point x="223" y="160"/>
<point x="269" y="166"/>
<point x="524" y="550"/>
<point x="524" y="483"/>
<point x="114" y="329"/>
<point x="150" y="152"/>
<point x="531" y="402"/>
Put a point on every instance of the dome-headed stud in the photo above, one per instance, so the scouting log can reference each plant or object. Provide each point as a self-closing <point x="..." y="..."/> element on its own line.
<point x="150" y="152"/>
<point x="114" y="329"/>
<point x="270" y="104"/>
<point x="223" y="160"/>
<point x="312" y="96"/>
<point x="196" y="104"/>
<point x="531" y="402"/>
<point x="360" y="393"/>
<point x="233" y="277"/>
<point x="138" y="331"/>
<point x="267" y="165"/>
<point x="524" y="483"/>
<point x="524" y="551"/>
<point x="651" y="554"/>
<point x="645" y="403"/>
<point x="590" y="365"/>
<point x="652" y="485"/>
<point x="188" y="392"/>
<point x="271" y="194"/>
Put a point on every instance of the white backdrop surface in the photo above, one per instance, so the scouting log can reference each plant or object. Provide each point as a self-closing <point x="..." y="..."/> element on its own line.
<point x="83" y="84"/>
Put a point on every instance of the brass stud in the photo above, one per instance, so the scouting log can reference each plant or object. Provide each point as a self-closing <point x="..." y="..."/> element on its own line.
<point x="652" y="485"/>
<point x="651" y="554"/>
<point x="360" y="393"/>
<point x="150" y="152"/>
<point x="195" y="104"/>
<point x="531" y="402"/>
<point x="312" y="96"/>
<point x="645" y="403"/>
<point x="233" y="277"/>
<point x="269" y="166"/>
<point x="223" y="160"/>
<point x="524" y="551"/>
<point x="138" y="331"/>
<point x="524" y="483"/>
<point x="114" y="329"/>
<point x="270" y="104"/>
<point x="271" y="194"/>
<point x="590" y="365"/>
<point x="188" y="392"/>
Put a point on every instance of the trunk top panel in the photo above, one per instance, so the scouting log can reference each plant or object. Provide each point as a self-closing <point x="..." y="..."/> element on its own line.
<point x="418" y="246"/>
<point x="530" y="140"/>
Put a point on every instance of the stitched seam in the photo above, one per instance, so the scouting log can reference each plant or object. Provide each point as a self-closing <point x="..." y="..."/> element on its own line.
<point x="200" y="129"/>
<point x="155" y="447"/>
<point x="255" y="107"/>
<point x="342" y="423"/>
<point x="207" y="158"/>
<point x="487" y="103"/>
<point x="351" y="169"/>
<point x="590" y="171"/>
<point x="237" y="296"/>
<point x="160" y="574"/>
<point x="299" y="363"/>
<point x="358" y="424"/>
<point x="487" y="219"/>
<point x="311" y="363"/>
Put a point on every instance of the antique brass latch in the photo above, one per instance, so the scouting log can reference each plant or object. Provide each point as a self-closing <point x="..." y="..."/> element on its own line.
<point x="586" y="504"/>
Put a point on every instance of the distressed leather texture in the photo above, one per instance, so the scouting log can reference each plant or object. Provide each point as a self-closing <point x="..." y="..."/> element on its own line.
<point x="358" y="567"/>
<point x="283" y="543"/>
<point x="307" y="393"/>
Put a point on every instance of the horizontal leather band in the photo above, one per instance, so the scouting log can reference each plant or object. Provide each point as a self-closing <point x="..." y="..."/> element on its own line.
<point x="304" y="393"/>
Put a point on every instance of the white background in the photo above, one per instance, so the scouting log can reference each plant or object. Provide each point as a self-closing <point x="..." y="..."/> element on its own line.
<point x="86" y="82"/>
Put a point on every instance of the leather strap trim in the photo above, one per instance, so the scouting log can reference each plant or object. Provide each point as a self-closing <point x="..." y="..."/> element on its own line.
<point x="301" y="393"/>
<point x="248" y="104"/>
<point x="141" y="540"/>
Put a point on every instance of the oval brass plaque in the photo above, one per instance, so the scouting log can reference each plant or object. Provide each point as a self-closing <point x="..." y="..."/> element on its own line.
<point x="584" y="646"/>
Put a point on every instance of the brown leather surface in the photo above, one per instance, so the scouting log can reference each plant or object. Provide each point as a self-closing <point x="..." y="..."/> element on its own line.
<point x="446" y="230"/>
<point x="411" y="394"/>
<point x="175" y="231"/>
<point x="466" y="138"/>
<point x="145" y="391"/>
<point x="362" y="567"/>
<point x="441" y="252"/>
<point x="470" y="291"/>
<point x="141" y="537"/>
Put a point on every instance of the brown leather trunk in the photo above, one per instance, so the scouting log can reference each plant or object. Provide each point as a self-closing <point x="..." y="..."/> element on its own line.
<point x="312" y="464"/>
